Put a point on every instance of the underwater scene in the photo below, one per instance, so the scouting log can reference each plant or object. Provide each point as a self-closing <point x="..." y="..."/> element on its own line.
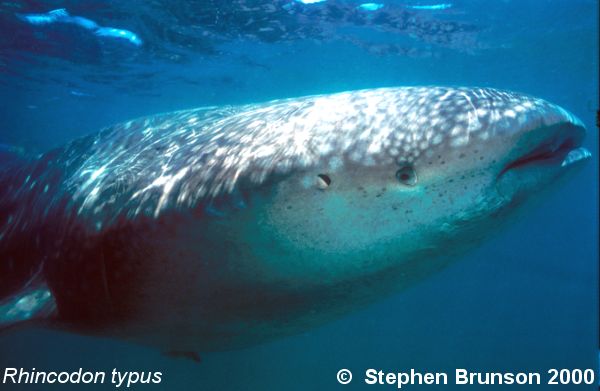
<point x="299" y="194"/>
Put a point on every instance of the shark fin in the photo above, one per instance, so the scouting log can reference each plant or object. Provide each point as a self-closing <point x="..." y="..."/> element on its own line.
<point x="33" y="303"/>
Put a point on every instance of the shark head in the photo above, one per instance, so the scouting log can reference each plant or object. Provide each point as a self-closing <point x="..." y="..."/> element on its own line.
<point x="414" y="175"/>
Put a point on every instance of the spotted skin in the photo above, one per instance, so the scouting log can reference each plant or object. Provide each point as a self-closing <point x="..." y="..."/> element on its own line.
<point x="151" y="164"/>
<point x="235" y="225"/>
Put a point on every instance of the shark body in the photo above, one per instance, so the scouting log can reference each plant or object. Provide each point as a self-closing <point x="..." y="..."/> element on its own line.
<point x="217" y="228"/>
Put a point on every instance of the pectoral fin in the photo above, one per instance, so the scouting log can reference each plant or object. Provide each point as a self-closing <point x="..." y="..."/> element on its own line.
<point x="30" y="304"/>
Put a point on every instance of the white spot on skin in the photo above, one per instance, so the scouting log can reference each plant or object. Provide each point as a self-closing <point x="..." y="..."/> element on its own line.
<point x="167" y="183"/>
<point x="460" y="141"/>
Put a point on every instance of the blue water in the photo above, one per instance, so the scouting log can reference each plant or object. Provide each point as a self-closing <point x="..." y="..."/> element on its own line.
<point x="527" y="300"/>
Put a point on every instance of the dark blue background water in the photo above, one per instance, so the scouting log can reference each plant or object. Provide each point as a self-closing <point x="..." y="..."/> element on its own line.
<point x="525" y="301"/>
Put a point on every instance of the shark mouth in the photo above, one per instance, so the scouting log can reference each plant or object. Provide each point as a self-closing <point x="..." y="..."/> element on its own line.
<point x="562" y="153"/>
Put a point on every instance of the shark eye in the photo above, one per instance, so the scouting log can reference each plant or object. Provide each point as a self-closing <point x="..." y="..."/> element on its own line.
<point x="407" y="175"/>
<point x="323" y="181"/>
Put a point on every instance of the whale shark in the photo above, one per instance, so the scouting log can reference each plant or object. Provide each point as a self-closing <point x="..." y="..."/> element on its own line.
<point x="223" y="227"/>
